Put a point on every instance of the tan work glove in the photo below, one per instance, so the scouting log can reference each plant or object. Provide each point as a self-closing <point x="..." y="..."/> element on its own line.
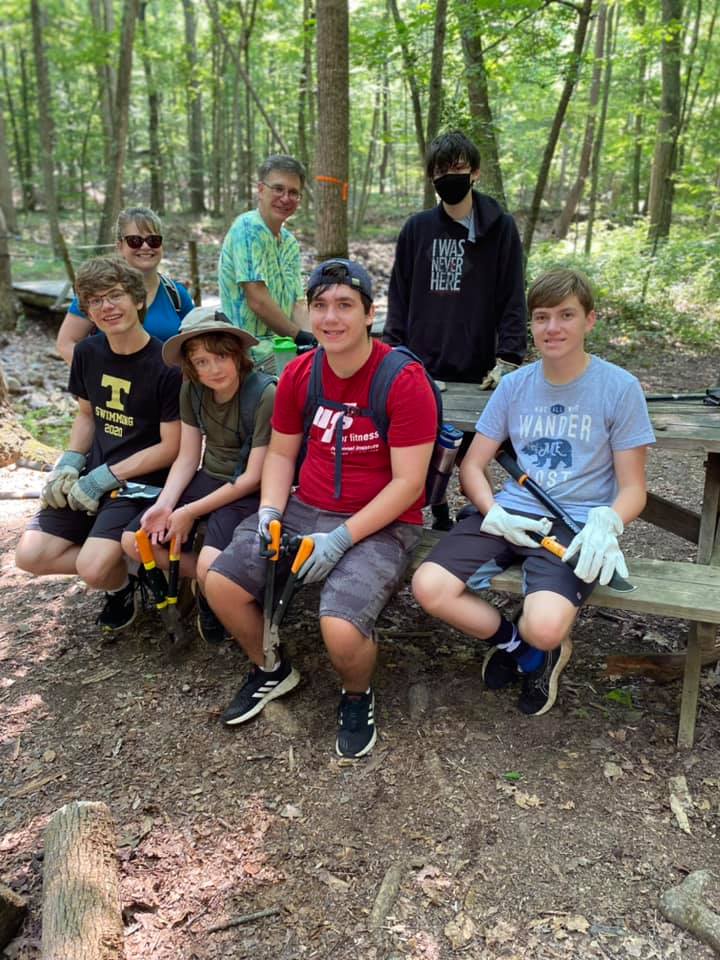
<point x="494" y="377"/>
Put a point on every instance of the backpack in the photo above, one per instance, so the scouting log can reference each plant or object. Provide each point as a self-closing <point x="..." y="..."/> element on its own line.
<point x="172" y="292"/>
<point x="251" y="391"/>
<point x="383" y="379"/>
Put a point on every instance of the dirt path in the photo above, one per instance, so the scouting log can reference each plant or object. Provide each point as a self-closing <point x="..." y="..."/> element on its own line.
<point x="511" y="837"/>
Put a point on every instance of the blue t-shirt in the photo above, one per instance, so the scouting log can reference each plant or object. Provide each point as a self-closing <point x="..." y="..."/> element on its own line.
<point x="565" y="435"/>
<point x="162" y="320"/>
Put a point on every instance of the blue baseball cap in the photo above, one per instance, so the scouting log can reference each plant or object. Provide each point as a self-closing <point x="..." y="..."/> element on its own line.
<point x="348" y="272"/>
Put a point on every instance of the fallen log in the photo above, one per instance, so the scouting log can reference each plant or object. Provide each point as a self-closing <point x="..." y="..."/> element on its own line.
<point x="683" y="905"/>
<point x="81" y="917"/>
<point x="12" y="911"/>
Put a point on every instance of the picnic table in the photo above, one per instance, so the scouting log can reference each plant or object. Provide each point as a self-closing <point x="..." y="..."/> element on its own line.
<point x="664" y="587"/>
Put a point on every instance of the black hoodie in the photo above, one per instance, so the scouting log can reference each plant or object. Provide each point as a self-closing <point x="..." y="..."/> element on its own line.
<point x="459" y="305"/>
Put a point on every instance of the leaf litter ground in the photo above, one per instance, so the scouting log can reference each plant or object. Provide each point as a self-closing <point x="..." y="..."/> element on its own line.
<point x="504" y="836"/>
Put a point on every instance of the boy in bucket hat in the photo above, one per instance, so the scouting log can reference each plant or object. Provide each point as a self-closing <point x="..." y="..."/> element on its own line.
<point x="362" y="532"/>
<point x="230" y="405"/>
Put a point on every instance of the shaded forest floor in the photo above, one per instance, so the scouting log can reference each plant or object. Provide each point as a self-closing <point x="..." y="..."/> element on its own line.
<point x="513" y="837"/>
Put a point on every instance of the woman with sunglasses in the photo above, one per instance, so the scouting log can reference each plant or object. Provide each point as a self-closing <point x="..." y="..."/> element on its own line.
<point x="139" y="243"/>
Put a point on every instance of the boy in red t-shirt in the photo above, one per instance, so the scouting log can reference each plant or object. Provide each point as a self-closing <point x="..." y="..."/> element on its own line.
<point x="364" y="522"/>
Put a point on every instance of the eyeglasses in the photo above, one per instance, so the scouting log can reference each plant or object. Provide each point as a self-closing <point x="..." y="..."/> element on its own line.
<point x="114" y="297"/>
<point x="279" y="191"/>
<point x="135" y="241"/>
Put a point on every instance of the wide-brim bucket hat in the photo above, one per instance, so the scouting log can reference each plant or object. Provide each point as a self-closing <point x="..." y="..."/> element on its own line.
<point x="199" y="321"/>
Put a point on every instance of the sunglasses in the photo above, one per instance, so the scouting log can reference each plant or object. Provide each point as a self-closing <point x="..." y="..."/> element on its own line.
<point x="135" y="241"/>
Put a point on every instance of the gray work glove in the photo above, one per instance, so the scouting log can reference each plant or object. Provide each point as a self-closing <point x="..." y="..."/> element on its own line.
<point x="513" y="528"/>
<point x="329" y="549"/>
<point x="597" y="544"/>
<point x="86" y="493"/>
<point x="494" y="377"/>
<point x="63" y="476"/>
<point x="265" y="516"/>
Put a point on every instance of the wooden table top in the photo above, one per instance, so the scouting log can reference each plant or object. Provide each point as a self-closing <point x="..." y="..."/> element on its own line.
<point x="678" y="424"/>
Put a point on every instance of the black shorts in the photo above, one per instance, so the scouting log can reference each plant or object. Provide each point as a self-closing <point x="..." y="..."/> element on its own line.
<point x="466" y="550"/>
<point x="109" y="523"/>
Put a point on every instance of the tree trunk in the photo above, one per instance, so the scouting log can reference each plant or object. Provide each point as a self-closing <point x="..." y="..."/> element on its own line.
<point x="435" y="99"/>
<point x="82" y="918"/>
<point x="105" y="80"/>
<point x="410" y="77"/>
<point x="562" y="224"/>
<point x="157" y="185"/>
<point x="305" y="125"/>
<point x="114" y="182"/>
<point x="47" y="137"/>
<point x="567" y="91"/>
<point x="6" y="198"/>
<point x="385" y="154"/>
<point x="639" y="117"/>
<point x="482" y="125"/>
<point x="333" y="121"/>
<point x="362" y="197"/>
<point x="28" y="175"/>
<point x="8" y="311"/>
<point x="194" y="114"/>
<point x="597" y="146"/>
<point x="668" y="128"/>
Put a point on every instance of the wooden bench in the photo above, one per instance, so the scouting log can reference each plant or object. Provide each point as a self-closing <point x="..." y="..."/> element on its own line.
<point x="665" y="588"/>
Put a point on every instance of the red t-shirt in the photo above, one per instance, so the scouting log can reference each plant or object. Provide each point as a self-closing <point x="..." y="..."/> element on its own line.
<point x="365" y="457"/>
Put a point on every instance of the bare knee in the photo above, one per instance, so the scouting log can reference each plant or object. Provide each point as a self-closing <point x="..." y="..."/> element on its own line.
<point x="544" y="633"/>
<point x="29" y="558"/>
<point x="98" y="570"/>
<point x="433" y="588"/>
<point x="129" y="545"/>
<point x="343" y="640"/>
<point x="204" y="561"/>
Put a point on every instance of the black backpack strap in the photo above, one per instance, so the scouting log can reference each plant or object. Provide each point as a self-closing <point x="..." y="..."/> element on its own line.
<point x="172" y="292"/>
<point x="313" y="400"/>
<point x="254" y="386"/>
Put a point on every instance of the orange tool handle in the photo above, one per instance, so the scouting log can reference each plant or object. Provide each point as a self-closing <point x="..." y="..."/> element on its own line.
<point x="551" y="544"/>
<point x="175" y="548"/>
<point x="145" y="549"/>
<point x="307" y="545"/>
<point x="275" y="529"/>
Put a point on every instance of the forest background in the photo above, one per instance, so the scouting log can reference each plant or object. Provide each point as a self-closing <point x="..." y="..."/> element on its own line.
<point x="598" y="124"/>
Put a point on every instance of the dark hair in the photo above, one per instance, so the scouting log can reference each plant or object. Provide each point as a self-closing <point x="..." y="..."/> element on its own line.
<point x="448" y="149"/>
<point x="554" y="285"/>
<point x="101" y="273"/>
<point x="340" y="271"/>
<point x="217" y="343"/>
<point x="284" y="163"/>
<point x="145" y="219"/>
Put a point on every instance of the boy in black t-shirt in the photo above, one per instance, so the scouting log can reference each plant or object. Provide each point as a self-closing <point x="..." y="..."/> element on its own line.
<point x="127" y="428"/>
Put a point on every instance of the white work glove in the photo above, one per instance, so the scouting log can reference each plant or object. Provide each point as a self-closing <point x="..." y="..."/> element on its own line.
<point x="513" y="528"/>
<point x="87" y="492"/>
<point x="597" y="544"/>
<point x="63" y="476"/>
<point x="265" y="517"/>
<point x="494" y="377"/>
<point x="328" y="550"/>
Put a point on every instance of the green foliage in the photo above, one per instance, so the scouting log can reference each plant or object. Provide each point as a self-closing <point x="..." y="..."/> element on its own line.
<point x="47" y="426"/>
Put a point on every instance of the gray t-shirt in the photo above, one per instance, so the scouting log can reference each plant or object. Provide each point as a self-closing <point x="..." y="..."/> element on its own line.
<point x="565" y="436"/>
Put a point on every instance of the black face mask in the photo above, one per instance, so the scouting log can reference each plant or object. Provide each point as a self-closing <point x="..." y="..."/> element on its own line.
<point x="452" y="187"/>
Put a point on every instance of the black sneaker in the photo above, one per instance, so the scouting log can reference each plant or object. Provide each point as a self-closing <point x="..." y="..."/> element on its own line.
<point x="209" y="627"/>
<point x="356" y="722"/>
<point x="499" y="669"/>
<point x="539" y="689"/>
<point x="120" y="608"/>
<point x="258" y="690"/>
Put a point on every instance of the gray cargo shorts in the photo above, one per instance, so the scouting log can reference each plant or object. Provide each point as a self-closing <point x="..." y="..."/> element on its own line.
<point x="356" y="590"/>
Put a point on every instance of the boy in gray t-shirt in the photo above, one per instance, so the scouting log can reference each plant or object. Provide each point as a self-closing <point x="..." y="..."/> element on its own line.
<point x="580" y="428"/>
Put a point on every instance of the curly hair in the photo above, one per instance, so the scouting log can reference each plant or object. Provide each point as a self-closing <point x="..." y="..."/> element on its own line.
<point x="101" y="273"/>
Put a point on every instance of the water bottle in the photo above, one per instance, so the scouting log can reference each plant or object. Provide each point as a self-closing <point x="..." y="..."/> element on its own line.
<point x="442" y="463"/>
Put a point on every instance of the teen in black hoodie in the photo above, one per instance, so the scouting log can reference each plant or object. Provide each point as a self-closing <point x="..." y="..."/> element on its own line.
<point x="457" y="295"/>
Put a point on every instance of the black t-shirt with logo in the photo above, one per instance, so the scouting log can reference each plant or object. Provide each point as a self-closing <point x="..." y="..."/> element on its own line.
<point x="130" y="395"/>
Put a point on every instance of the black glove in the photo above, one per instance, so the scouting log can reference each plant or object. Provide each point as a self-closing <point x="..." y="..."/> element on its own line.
<point x="305" y="341"/>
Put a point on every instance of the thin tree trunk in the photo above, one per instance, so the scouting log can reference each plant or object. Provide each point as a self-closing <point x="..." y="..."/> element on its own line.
<point x="385" y="154"/>
<point x="8" y="313"/>
<point x="105" y="81"/>
<point x="362" y="197"/>
<point x="435" y="98"/>
<point x="219" y="62"/>
<point x="597" y="146"/>
<point x="482" y="125"/>
<point x="6" y="198"/>
<point x="17" y="147"/>
<point x="567" y="91"/>
<point x="689" y="101"/>
<point x="305" y="89"/>
<point x="332" y="162"/>
<point x="639" y="117"/>
<point x="47" y="138"/>
<point x="114" y="182"/>
<point x="194" y="114"/>
<point x="408" y="58"/>
<point x="157" y="185"/>
<point x="562" y="224"/>
<point x="28" y="173"/>
<point x="663" y="167"/>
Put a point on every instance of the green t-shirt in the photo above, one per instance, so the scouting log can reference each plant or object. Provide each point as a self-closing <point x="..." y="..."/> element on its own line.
<point x="251" y="253"/>
<point x="225" y="434"/>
